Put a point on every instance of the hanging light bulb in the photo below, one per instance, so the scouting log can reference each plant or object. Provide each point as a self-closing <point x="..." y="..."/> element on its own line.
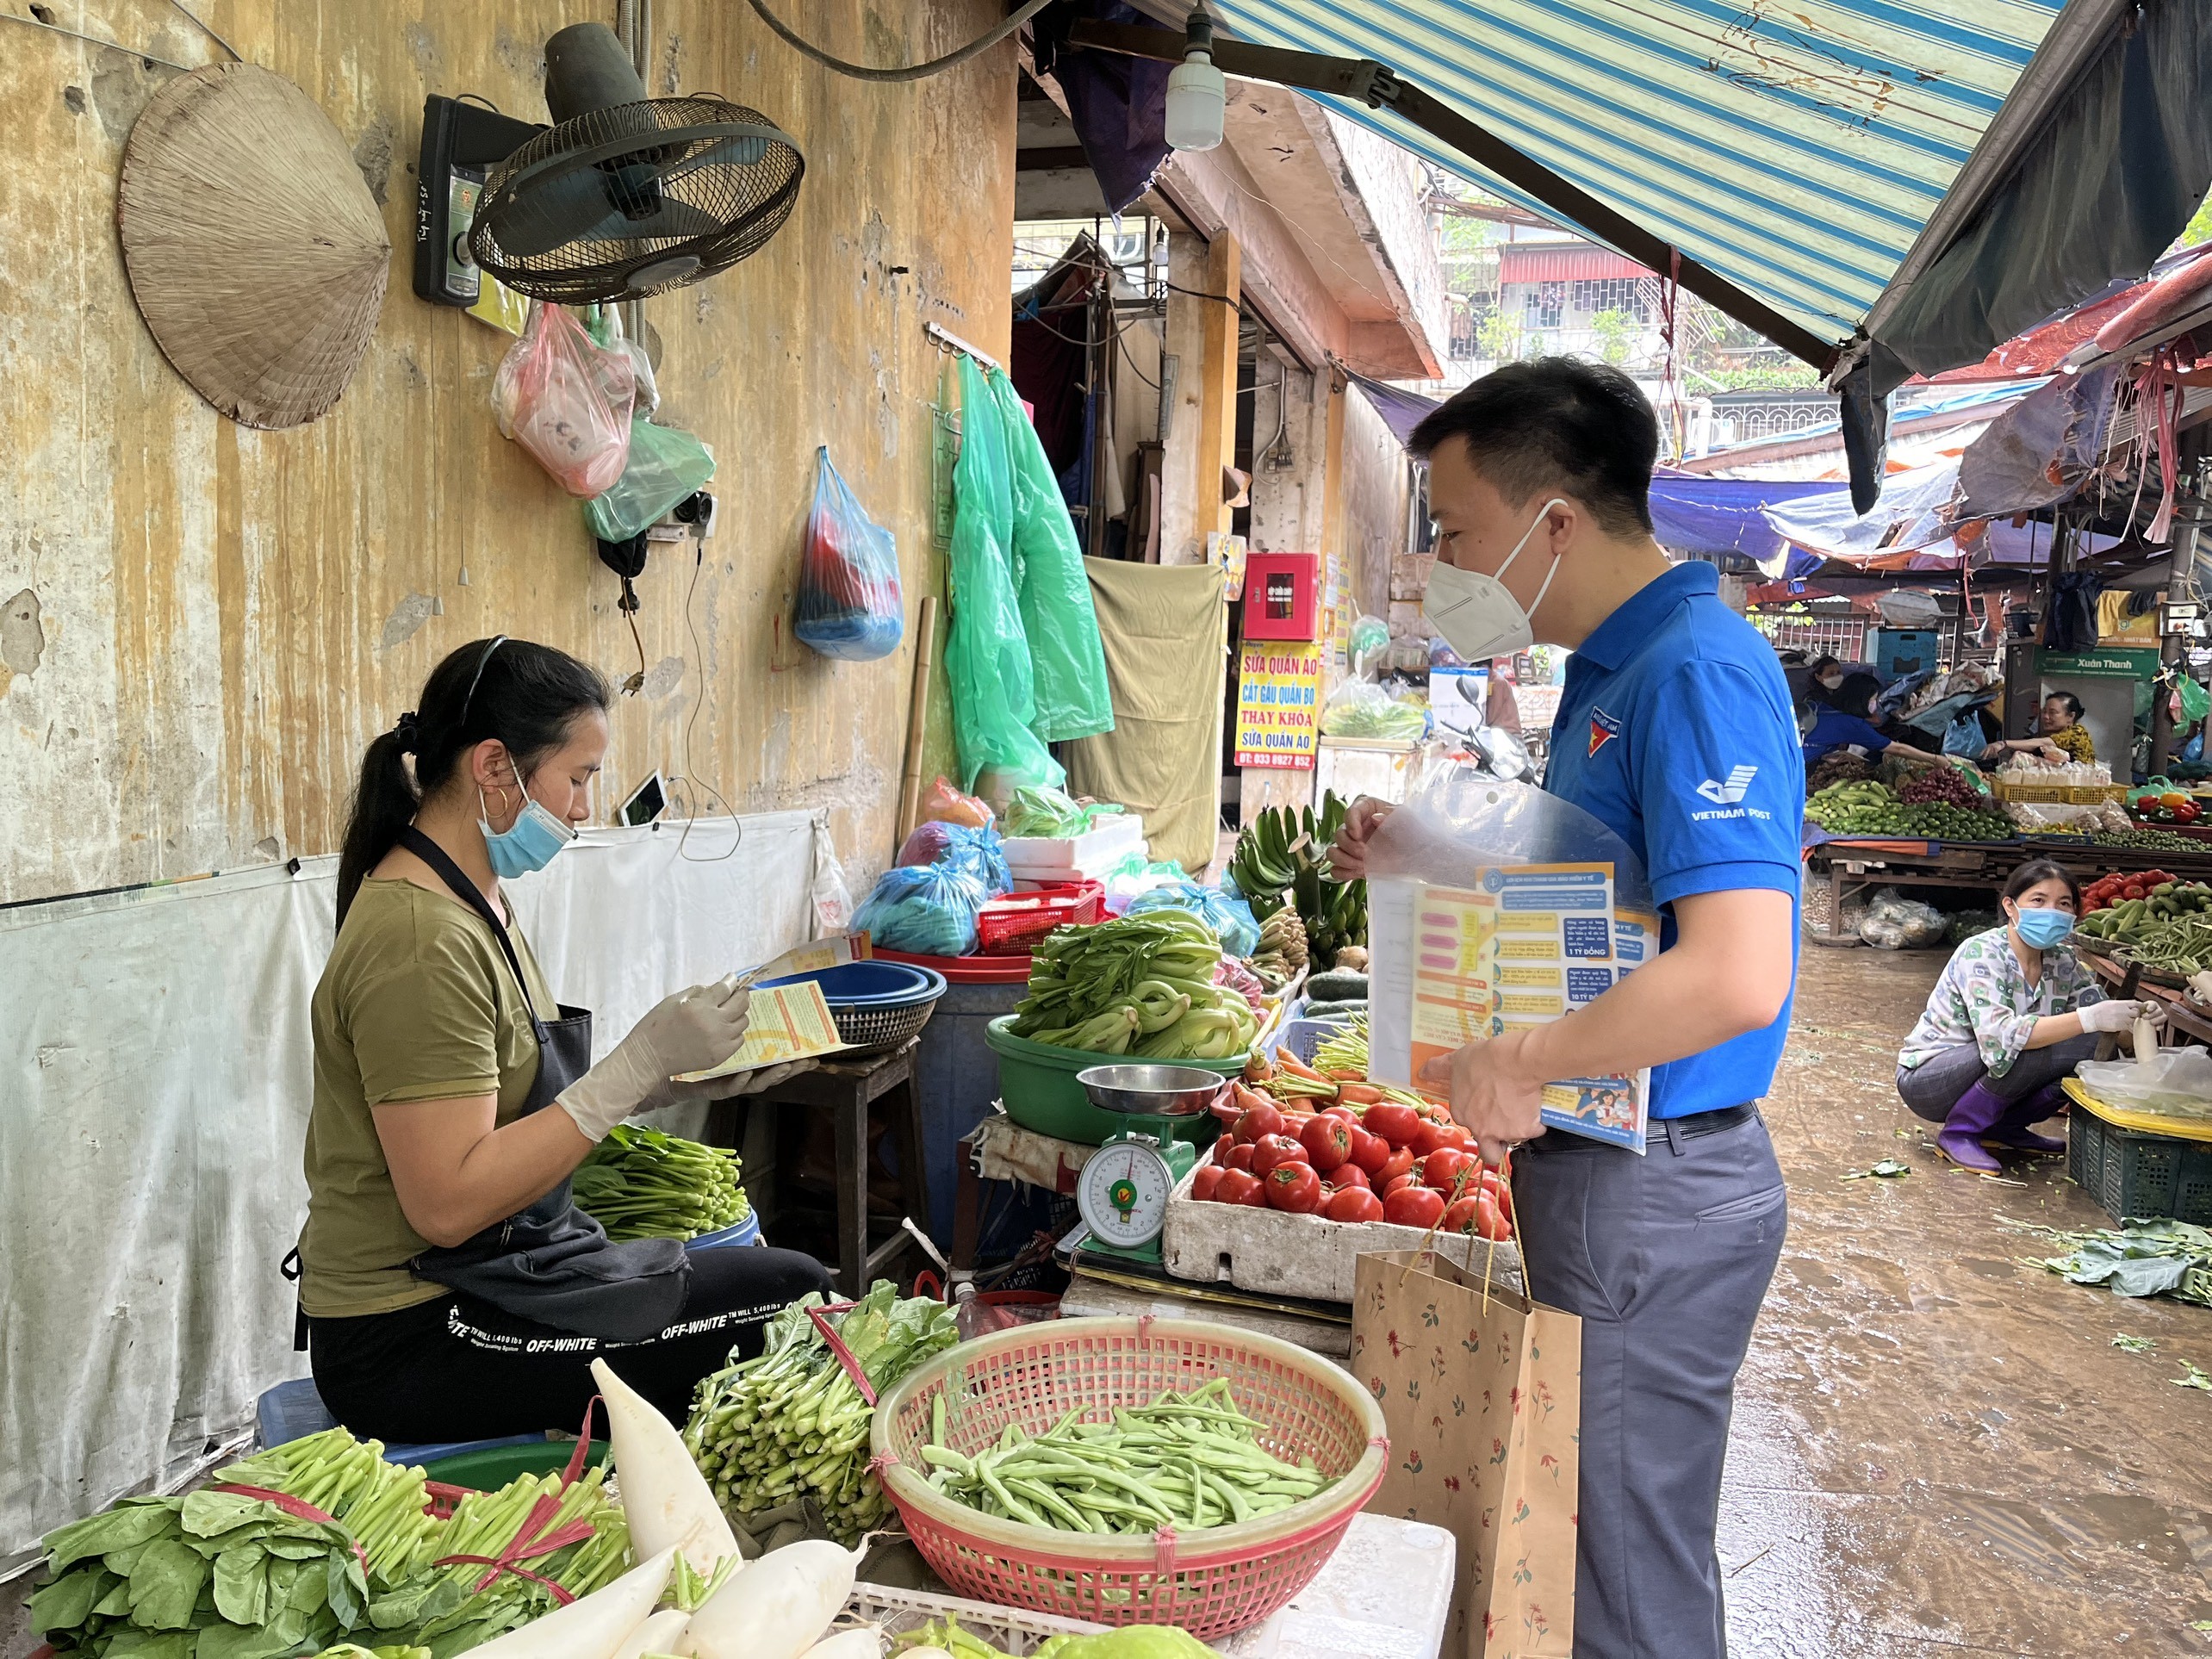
<point x="1195" y="89"/>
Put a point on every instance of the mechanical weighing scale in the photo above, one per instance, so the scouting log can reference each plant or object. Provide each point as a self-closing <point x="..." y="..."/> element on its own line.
<point x="1122" y="1191"/>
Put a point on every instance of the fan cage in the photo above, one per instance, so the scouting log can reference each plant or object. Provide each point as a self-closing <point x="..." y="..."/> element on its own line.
<point x="701" y="164"/>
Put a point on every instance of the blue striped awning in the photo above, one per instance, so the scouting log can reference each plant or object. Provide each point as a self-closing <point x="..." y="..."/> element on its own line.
<point x="1797" y="150"/>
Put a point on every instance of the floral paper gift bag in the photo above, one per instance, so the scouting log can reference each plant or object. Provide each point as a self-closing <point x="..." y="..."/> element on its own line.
<point x="1482" y="1396"/>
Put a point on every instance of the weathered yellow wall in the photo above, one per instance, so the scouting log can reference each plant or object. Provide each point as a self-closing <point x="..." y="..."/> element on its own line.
<point x="218" y="618"/>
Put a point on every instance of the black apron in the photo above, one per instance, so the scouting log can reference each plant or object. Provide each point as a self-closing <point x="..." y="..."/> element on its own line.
<point x="552" y="1263"/>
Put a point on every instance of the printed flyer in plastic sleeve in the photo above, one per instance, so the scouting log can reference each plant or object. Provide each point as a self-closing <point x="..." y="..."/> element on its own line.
<point x="1522" y="945"/>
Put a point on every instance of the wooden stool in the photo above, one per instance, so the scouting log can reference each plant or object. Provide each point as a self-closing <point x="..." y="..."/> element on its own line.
<point x="845" y="1089"/>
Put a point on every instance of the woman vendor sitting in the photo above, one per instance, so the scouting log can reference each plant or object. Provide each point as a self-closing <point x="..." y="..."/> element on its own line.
<point x="451" y="1290"/>
<point x="1843" y="721"/>
<point x="2013" y="1015"/>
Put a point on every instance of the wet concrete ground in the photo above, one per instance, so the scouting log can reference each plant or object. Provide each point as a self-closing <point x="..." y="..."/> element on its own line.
<point x="1938" y="1449"/>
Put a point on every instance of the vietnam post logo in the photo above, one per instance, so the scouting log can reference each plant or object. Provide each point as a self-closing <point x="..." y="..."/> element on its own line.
<point x="1728" y="794"/>
<point x="1604" y="728"/>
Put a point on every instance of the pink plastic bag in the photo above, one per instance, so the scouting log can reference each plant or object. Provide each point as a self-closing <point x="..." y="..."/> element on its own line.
<point x="568" y="400"/>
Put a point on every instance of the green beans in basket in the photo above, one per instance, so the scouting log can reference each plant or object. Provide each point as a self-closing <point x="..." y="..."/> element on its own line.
<point x="641" y="1184"/>
<point x="1185" y="1460"/>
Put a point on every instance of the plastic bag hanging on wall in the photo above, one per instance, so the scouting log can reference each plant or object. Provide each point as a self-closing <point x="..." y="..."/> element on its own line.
<point x="850" y="605"/>
<point x="568" y="400"/>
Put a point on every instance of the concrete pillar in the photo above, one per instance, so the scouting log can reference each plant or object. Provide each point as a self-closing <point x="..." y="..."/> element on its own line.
<point x="1217" y="422"/>
<point x="1184" y="352"/>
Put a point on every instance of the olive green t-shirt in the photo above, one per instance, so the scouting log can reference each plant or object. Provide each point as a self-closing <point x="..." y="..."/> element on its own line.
<point x="416" y="1002"/>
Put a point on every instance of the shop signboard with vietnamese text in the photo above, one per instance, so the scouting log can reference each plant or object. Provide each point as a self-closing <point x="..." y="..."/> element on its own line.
<point x="1278" y="705"/>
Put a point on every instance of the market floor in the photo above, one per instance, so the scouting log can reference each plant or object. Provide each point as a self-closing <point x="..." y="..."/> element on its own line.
<point x="1938" y="1449"/>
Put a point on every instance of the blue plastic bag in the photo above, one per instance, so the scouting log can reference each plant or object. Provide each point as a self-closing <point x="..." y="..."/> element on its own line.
<point x="1229" y="916"/>
<point x="850" y="605"/>
<point x="975" y="852"/>
<point x="923" y="910"/>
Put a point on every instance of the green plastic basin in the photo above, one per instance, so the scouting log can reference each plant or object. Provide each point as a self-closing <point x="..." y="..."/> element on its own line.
<point x="495" y="1466"/>
<point x="1037" y="1083"/>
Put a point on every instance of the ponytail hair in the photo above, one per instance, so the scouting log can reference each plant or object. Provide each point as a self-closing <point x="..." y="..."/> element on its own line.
<point x="527" y="696"/>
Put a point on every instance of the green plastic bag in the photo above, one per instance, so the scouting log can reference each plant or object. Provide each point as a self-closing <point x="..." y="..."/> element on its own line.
<point x="986" y="647"/>
<point x="1066" y="658"/>
<point x="2196" y="701"/>
<point x="665" y="466"/>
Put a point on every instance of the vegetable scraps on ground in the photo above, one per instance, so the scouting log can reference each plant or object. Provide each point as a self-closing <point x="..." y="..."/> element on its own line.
<point x="2143" y="1258"/>
<point x="1139" y="985"/>
<point x="1189" y="1460"/>
<point x="641" y="1184"/>
<point x="792" y="1425"/>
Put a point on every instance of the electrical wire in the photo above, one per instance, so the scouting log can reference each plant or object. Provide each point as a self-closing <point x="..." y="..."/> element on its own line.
<point x="907" y="72"/>
<point x="200" y="24"/>
<point x="93" y="39"/>
<point x="690" y="783"/>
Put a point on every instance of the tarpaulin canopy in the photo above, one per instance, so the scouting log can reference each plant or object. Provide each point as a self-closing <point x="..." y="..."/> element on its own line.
<point x="1798" y="151"/>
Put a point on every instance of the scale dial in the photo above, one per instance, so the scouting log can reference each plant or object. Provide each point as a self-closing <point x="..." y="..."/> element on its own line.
<point x="1123" y="1193"/>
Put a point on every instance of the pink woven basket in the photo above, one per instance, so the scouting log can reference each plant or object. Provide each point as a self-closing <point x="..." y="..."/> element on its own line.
<point x="1210" y="1581"/>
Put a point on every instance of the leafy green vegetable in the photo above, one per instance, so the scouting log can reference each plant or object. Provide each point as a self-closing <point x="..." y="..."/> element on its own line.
<point x="791" y="1427"/>
<point x="2134" y="1345"/>
<point x="2194" y="1376"/>
<point x="2143" y="1258"/>
<point x="1130" y="1642"/>
<point x="1887" y="1169"/>
<point x="642" y="1184"/>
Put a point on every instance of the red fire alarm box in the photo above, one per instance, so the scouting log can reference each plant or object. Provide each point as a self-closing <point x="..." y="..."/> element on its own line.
<point x="1282" y="595"/>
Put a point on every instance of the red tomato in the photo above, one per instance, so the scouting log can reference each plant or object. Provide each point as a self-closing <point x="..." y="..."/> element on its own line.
<point x="1241" y="1187"/>
<point x="1344" y="1112"/>
<point x="1432" y="1136"/>
<point x="1222" y="1147"/>
<point x="1369" y="1151"/>
<point x="1487" y="1221"/>
<point x="1354" y="1204"/>
<point x="1394" y="1120"/>
<point x="1458" y="1216"/>
<point x="1400" y="1162"/>
<point x="1294" y="1187"/>
<point x="1203" y="1183"/>
<point x="1447" y="1169"/>
<point x="1398" y="1183"/>
<point x="1239" y="1157"/>
<point x="1328" y="1142"/>
<point x="1351" y="1175"/>
<point x="1273" y="1151"/>
<point x="1493" y="1184"/>
<point x="1258" y="1123"/>
<point x="1413" y="1207"/>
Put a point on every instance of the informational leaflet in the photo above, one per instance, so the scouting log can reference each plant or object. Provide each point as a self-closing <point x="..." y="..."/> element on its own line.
<point x="1526" y="945"/>
<point x="788" y="1022"/>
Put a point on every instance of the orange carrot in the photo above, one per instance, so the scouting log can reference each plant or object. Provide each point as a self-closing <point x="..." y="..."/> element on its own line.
<point x="1298" y="1068"/>
<point x="1359" y="1094"/>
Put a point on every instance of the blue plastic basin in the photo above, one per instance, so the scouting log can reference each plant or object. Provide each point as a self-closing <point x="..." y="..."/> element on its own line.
<point x="872" y="985"/>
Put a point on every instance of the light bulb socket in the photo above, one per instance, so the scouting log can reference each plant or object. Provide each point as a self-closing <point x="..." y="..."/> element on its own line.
<point x="1198" y="30"/>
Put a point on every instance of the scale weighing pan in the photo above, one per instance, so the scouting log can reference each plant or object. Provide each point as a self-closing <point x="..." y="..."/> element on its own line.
<point x="1152" y="1090"/>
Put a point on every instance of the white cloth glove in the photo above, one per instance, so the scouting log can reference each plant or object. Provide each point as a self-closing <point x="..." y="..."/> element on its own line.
<point x="694" y="1030"/>
<point x="2116" y="1014"/>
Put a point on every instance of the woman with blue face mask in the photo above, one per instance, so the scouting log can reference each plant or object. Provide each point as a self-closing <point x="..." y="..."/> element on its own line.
<point x="450" y="1289"/>
<point x="2013" y="1015"/>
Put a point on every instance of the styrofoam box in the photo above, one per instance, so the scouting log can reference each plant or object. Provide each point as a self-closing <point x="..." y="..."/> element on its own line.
<point x="1093" y="854"/>
<point x="1286" y="1255"/>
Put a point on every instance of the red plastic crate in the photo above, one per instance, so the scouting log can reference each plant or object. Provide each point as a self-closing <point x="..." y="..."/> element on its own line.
<point x="1014" y="925"/>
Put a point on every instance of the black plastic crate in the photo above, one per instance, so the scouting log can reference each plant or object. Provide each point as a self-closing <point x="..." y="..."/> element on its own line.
<point x="2138" y="1177"/>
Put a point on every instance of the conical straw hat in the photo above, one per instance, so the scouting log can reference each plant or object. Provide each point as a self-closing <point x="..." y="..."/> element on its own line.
<point x="255" y="253"/>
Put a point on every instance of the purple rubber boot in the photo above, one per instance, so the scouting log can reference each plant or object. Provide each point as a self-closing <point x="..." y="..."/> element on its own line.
<point x="1978" y="1112"/>
<point x="2012" y="1131"/>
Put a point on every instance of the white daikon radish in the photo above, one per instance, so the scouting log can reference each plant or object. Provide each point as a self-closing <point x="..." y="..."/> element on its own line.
<point x="591" y="1627"/>
<point x="778" y="1607"/>
<point x="658" y="1634"/>
<point x="851" y="1644"/>
<point x="664" y="1499"/>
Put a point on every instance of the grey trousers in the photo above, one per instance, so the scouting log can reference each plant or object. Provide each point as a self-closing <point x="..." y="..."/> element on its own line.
<point x="1934" y="1086"/>
<point x="1667" y="1259"/>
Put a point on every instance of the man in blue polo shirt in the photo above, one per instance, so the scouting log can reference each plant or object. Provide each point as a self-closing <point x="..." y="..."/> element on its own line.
<point x="1675" y="730"/>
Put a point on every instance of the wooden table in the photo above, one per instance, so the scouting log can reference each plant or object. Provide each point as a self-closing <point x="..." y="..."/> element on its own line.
<point x="2179" y="1013"/>
<point x="1850" y="867"/>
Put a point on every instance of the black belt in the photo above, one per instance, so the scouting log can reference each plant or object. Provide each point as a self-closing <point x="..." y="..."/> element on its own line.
<point x="1672" y="1130"/>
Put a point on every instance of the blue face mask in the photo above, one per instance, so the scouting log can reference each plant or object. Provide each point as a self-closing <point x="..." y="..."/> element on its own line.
<point x="2042" y="928"/>
<point x="529" y="843"/>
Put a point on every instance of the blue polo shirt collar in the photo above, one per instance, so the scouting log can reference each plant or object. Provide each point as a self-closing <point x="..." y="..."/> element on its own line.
<point x="1613" y="641"/>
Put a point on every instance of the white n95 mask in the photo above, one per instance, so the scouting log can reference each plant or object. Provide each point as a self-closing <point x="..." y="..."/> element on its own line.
<point x="1475" y="614"/>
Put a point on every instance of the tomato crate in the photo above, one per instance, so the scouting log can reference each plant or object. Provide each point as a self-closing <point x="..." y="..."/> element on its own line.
<point x="1014" y="925"/>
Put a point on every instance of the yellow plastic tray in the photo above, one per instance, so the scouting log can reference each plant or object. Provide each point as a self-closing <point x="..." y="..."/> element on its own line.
<point x="2180" y="1129"/>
